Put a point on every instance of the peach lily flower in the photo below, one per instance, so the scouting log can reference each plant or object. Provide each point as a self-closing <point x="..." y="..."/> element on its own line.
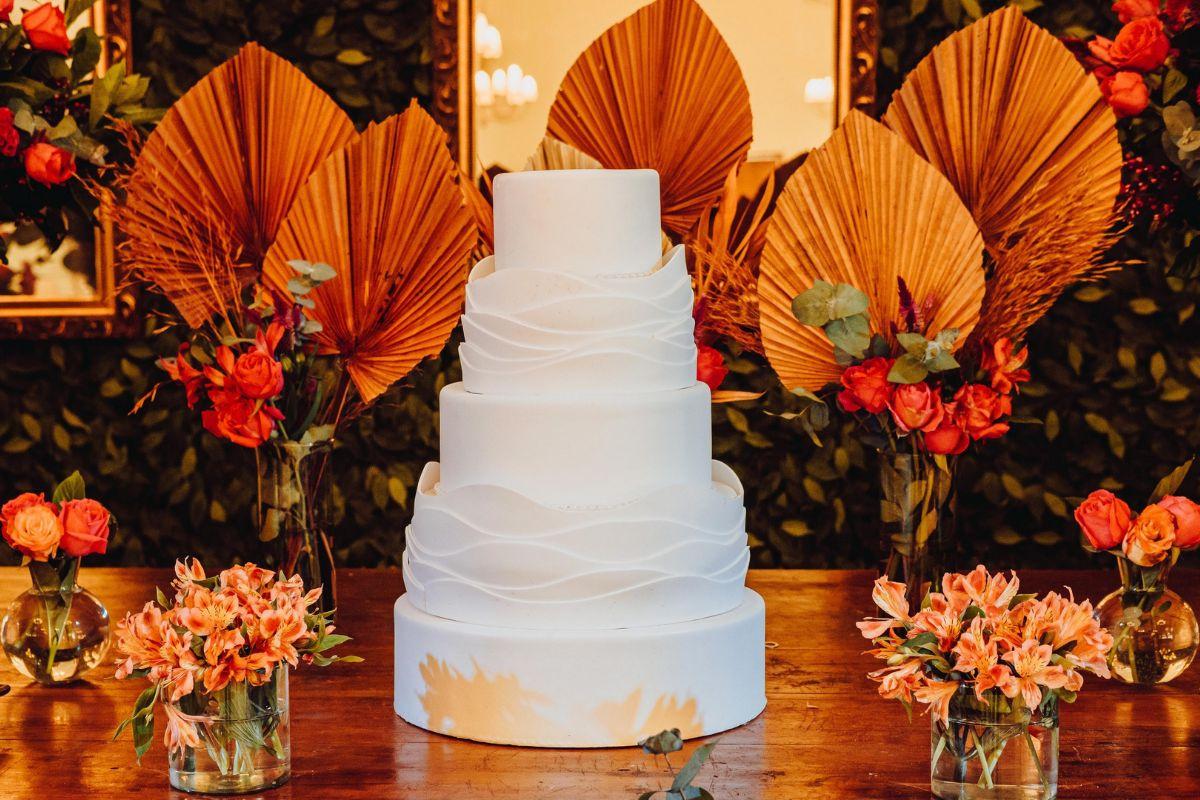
<point x="937" y="695"/>
<point x="1032" y="668"/>
<point x="889" y="596"/>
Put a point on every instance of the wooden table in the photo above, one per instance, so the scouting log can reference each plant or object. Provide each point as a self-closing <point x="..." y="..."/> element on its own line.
<point x="825" y="733"/>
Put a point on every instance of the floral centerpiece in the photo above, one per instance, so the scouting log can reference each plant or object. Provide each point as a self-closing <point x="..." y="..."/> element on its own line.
<point x="64" y="114"/>
<point x="1155" y="632"/>
<point x="217" y="656"/>
<point x="990" y="666"/>
<point x="57" y="630"/>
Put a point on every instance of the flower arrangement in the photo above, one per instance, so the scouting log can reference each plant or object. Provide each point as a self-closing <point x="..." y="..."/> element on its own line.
<point x="64" y="114"/>
<point x="988" y="664"/>
<point x="49" y="640"/>
<point x="216" y="655"/>
<point x="1154" y="631"/>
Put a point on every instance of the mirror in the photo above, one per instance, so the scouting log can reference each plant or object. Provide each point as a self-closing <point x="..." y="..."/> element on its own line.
<point x="806" y="63"/>
<point x="69" y="289"/>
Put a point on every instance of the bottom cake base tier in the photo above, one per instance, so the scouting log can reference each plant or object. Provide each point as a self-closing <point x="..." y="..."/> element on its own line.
<point x="600" y="688"/>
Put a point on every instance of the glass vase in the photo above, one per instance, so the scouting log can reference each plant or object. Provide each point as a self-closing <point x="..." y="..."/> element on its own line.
<point x="235" y="741"/>
<point x="1154" y="631"/>
<point x="292" y="512"/>
<point x="917" y="505"/>
<point x="55" y="631"/>
<point x="992" y="750"/>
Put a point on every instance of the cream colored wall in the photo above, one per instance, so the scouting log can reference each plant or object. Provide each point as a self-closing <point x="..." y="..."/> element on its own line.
<point x="778" y="43"/>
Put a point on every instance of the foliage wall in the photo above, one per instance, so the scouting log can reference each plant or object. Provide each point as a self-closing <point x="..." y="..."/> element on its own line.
<point x="1116" y="366"/>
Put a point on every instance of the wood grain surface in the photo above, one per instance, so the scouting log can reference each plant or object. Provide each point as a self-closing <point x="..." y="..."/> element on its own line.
<point x="825" y="733"/>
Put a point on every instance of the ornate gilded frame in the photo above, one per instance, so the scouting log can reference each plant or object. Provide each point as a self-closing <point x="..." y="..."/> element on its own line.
<point x="113" y="312"/>
<point x="857" y="37"/>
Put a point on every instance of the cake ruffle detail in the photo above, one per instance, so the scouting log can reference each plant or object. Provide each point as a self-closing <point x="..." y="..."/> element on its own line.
<point x="490" y="556"/>
<point x="530" y="330"/>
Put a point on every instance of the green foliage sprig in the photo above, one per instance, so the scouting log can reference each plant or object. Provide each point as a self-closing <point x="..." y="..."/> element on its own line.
<point x="670" y="741"/>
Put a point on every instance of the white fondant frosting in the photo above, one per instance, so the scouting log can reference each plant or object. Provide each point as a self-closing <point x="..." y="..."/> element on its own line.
<point x="541" y="332"/>
<point x="584" y="222"/>
<point x="577" y="450"/>
<point x="490" y="556"/>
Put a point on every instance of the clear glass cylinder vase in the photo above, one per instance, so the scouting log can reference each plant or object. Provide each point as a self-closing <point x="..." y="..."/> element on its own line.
<point x="292" y="512"/>
<point x="236" y="741"/>
<point x="1155" y="633"/>
<point x="55" y="631"/>
<point x="917" y="512"/>
<point x="990" y="750"/>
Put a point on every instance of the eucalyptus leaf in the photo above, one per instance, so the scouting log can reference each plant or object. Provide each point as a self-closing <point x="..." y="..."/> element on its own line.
<point x="851" y="334"/>
<point x="908" y="369"/>
<point x="812" y="306"/>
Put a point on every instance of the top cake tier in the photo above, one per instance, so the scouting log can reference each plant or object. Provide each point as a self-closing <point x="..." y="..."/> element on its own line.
<point x="591" y="222"/>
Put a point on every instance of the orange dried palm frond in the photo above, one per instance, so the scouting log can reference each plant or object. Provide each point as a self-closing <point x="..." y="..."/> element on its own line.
<point x="1009" y="115"/>
<point x="865" y="210"/>
<point x="385" y="212"/>
<point x="725" y="246"/>
<point x="215" y="179"/>
<point x="481" y="211"/>
<point x="660" y="90"/>
<point x="553" y="154"/>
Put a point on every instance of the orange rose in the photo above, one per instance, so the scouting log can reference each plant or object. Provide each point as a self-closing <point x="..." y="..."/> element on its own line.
<point x="710" y="366"/>
<point x="46" y="29"/>
<point x="1126" y="92"/>
<point x="1151" y="537"/>
<point x="35" y="531"/>
<point x="947" y="438"/>
<point x="1129" y="10"/>
<point x="239" y="419"/>
<point x="85" y="527"/>
<point x="1104" y="519"/>
<point x="980" y="409"/>
<point x="21" y="501"/>
<point x="917" y="406"/>
<point x="1141" y="45"/>
<point x="866" y="386"/>
<point x="47" y="164"/>
<point x="1187" y="520"/>
<point x="6" y="7"/>
<point x="1005" y="366"/>
<point x="258" y="375"/>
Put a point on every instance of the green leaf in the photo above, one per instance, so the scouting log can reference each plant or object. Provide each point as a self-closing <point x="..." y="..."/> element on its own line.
<point x="1174" y="83"/>
<point x="913" y="343"/>
<point x="321" y="272"/>
<point x="76" y="7"/>
<point x="973" y="9"/>
<point x="103" y="90"/>
<point x="688" y="772"/>
<point x="36" y="93"/>
<point x="1171" y="481"/>
<point x="72" y="488"/>
<point x="85" y="54"/>
<point x="908" y="369"/>
<point x="353" y="58"/>
<point x="851" y="334"/>
<point x="847" y="302"/>
<point x="812" y="306"/>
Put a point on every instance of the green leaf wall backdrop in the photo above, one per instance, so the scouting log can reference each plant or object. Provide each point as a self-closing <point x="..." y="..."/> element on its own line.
<point x="1116" y="366"/>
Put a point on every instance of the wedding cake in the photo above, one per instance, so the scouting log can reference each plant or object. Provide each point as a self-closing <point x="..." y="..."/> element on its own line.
<point x="575" y="568"/>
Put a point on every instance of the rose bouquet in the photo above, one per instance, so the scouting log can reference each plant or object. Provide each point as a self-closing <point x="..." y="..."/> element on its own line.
<point x="56" y="631"/>
<point x="1155" y="632"/>
<point x="217" y="655"/>
<point x="990" y="666"/>
<point x="63" y="108"/>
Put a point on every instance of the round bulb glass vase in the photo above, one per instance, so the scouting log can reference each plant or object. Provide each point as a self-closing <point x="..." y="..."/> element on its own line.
<point x="55" y="631"/>
<point x="1155" y="633"/>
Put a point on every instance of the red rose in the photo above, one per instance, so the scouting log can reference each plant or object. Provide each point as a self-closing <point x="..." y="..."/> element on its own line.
<point x="47" y="164"/>
<point x="947" y="438"/>
<point x="1187" y="520"/>
<point x="1142" y="45"/>
<point x="259" y="376"/>
<point x="1126" y="92"/>
<point x="710" y="366"/>
<point x="10" y="137"/>
<point x="46" y="29"/>
<point x="979" y="410"/>
<point x="866" y="386"/>
<point x="1129" y="10"/>
<point x="1182" y="13"/>
<point x="917" y="406"/>
<point x="85" y="527"/>
<point x="1005" y="366"/>
<point x="1104" y="519"/>
<point x="6" y="7"/>
<point x="239" y="419"/>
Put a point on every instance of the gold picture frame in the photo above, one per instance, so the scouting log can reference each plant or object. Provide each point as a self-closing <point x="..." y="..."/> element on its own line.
<point x="111" y="309"/>
<point x="856" y="41"/>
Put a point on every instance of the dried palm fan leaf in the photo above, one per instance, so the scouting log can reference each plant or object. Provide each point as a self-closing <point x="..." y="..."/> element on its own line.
<point x="725" y="246"/>
<point x="553" y="154"/>
<point x="385" y="212"/>
<point x="216" y="177"/>
<point x="865" y="210"/>
<point x="660" y="90"/>
<point x="1007" y="113"/>
<point x="481" y="210"/>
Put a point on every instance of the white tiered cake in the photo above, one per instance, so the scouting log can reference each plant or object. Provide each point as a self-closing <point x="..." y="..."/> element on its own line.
<point x="575" y="569"/>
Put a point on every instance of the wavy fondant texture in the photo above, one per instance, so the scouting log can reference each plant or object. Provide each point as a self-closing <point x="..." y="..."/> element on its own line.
<point x="541" y="331"/>
<point x="491" y="556"/>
